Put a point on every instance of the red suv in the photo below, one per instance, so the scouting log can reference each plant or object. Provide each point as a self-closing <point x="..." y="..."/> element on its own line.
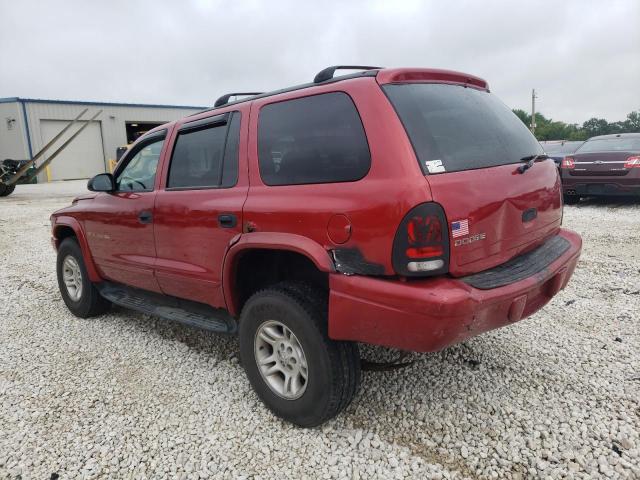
<point x="401" y="207"/>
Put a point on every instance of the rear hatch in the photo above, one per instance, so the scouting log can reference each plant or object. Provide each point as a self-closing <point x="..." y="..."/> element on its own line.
<point x="470" y="145"/>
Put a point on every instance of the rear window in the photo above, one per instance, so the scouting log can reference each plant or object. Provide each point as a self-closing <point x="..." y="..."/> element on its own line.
<point x="206" y="157"/>
<point x="561" y="148"/>
<point x="620" y="144"/>
<point x="317" y="139"/>
<point x="454" y="128"/>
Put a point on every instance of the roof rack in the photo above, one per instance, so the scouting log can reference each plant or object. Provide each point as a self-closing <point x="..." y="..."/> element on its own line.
<point x="327" y="73"/>
<point x="224" y="99"/>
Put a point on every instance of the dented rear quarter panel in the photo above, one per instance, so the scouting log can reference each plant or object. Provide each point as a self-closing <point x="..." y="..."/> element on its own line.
<point x="374" y="205"/>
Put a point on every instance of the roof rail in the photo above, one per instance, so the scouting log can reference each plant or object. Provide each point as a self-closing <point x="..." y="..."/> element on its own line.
<point x="224" y="99"/>
<point x="327" y="73"/>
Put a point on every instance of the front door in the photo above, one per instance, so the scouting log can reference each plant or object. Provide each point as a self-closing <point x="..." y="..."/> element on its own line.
<point x="119" y="225"/>
<point x="199" y="211"/>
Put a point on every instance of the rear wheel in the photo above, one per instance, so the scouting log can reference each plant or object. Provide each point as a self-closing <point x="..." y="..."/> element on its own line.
<point x="79" y="294"/>
<point x="299" y="373"/>
<point x="571" y="199"/>
<point x="6" y="190"/>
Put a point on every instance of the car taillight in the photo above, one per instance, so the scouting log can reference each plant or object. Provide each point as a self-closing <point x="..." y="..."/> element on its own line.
<point x="421" y="244"/>
<point x="568" y="162"/>
<point x="632" y="162"/>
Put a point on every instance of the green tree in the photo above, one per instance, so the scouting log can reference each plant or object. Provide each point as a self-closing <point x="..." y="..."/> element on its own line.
<point x="596" y="126"/>
<point x="548" y="129"/>
<point x="632" y="123"/>
<point x="522" y="115"/>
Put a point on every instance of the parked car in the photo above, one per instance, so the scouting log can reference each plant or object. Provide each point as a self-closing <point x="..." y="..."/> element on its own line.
<point x="408" y="208"/>
<point x="603" y="165"/>
<point x="558" y="149"/>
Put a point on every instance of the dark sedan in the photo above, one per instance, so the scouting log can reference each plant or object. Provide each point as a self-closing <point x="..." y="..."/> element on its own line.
<point x="604" y="165"/>
<point x="558" y="149"/>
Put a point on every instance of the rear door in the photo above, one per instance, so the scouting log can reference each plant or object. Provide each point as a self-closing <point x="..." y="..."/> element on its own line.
<point x="198" y="212"/>
<point x="470" y="147"/>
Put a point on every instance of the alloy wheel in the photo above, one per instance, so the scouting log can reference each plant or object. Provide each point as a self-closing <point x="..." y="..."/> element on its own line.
<point x="281" y="360"/>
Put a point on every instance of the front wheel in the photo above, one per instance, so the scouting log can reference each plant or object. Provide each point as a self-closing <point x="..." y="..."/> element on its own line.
<point x="79" y="294"/>
<point x="299" y="373"/>
<point x="6" y="190"/>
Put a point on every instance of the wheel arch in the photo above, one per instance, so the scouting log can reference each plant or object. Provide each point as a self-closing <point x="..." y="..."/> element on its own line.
<point x="263" y="250"/>
<point x="65" y="227"/>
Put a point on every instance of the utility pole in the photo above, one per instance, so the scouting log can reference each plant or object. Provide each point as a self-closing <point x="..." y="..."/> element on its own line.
<point x="533" y="111"/>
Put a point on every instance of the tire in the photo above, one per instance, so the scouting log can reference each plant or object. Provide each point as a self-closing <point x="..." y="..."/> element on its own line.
<point x="333" y="367"/>
<point x="571" y="199"/>
<point x="83" y="302"/>
<point x="6" y="190"/>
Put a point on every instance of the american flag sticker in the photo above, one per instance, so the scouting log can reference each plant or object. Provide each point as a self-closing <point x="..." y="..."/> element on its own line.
<point x="460" y="228"/>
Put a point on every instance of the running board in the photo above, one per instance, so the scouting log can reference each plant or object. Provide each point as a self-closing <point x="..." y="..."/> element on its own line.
<point x="190" y="313"/>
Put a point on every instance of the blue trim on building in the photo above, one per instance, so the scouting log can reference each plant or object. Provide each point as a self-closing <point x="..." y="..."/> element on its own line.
<point x="26" y="126"/>
<point x="108" y="104"/>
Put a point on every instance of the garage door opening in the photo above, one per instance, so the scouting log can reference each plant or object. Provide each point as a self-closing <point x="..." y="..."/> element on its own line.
<point x="137" y="129"/>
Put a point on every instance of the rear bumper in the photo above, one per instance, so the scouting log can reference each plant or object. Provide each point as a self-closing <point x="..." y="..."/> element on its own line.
<point x="587" y="188"/>
<point x="429" y="315"/>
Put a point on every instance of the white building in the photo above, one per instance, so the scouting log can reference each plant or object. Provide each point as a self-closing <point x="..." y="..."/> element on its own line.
<point x="26" y="125"/>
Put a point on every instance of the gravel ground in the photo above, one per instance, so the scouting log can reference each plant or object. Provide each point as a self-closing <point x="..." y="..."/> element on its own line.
<point x="130" y="396"/>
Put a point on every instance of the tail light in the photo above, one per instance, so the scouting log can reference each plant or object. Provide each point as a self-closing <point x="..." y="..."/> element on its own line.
<point x="421" y="244"/>
<point x="568" y="162"/>
<point x="632" y="162"/>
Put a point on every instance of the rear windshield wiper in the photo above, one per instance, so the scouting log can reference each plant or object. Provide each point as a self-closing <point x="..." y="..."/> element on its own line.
<point x="530" y="160"/>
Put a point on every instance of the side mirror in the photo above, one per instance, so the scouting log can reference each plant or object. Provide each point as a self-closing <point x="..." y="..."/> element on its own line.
<point x="103" y="182"/>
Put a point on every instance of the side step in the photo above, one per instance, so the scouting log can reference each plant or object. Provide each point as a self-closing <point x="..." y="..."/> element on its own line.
<point x="190" y="313"/>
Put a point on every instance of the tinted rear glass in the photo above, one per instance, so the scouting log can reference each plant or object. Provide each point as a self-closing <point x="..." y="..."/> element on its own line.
<point x="317" y="139"/>
<point x="198" y="155"/>
<point x="620" y="144"/>
<point x="564" y="148"/>
<point x="460" y="128"/>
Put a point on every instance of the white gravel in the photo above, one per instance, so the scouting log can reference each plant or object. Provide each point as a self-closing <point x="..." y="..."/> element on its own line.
<point x="130" y="396"/>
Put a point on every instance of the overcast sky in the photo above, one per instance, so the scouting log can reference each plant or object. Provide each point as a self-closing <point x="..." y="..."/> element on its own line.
<point x="583" y="57"/>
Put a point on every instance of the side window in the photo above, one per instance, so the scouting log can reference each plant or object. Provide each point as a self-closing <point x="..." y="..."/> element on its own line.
<point x="139" y="173"/>
<point x="317" y="139"/>
<point x="207" y="156"/>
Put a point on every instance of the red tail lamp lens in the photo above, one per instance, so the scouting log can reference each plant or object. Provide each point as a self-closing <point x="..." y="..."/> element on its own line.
<point x="424" y="252"/>
<point x="422" y="234"/>
<point x="632" y="162"/>
<point x="568" y="162"/>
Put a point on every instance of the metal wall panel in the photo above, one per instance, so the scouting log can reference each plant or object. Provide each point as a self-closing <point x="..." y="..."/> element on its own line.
<point x="112" y="122"/>
<point x="13" y="142"/>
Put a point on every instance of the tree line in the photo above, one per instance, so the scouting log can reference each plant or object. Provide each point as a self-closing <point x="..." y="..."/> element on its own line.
<point x="548" y="129"/>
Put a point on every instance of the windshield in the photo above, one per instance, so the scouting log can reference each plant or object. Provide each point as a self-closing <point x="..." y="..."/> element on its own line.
<point x="455" y="128"/>
<point x="618" y="144"/>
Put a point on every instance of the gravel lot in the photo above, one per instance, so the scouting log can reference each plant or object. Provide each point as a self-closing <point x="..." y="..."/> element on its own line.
<point x="131" y="396"/>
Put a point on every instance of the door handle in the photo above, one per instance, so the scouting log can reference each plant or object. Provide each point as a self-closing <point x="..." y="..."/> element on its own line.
<point x="145" y="217"/>
<point x="227" y="220"/>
